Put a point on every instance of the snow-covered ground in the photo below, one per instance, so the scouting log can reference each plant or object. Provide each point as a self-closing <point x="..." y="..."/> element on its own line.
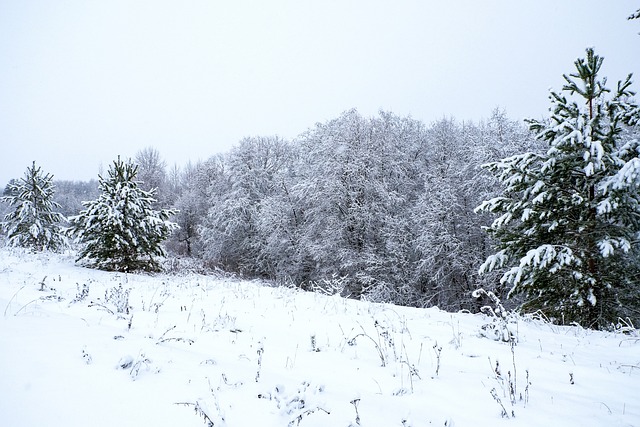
<point x="196" y="349"/>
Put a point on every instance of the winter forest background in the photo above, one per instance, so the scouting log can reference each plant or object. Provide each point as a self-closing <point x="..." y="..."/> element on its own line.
<point x="385" y="208"/>
<point x="381" y="206"/>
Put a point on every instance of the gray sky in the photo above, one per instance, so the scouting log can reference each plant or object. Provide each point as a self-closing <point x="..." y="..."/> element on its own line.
<point x="83" y="81"/>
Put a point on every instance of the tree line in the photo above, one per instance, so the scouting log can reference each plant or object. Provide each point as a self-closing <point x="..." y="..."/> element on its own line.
<point x="383" y="205"/>
<point x="380" y="206"/>
<point x="389" y="209"/>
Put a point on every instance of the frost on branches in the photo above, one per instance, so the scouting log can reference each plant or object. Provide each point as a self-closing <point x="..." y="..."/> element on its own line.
<point x="33" y="223"/>
<point x="568" y="221"/>
<point x="120" y="231"/>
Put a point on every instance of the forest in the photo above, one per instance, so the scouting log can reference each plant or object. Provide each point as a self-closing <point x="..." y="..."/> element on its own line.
<point x="381" y="207"/>
<point x="390" y="209"/>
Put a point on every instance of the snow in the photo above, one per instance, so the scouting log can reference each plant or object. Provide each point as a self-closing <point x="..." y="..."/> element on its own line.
<point x="627" y="176"/>
<point x="193" y="349"/>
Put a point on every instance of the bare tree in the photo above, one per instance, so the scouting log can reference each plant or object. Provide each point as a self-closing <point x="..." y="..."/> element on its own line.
<point x="152" y="172"/>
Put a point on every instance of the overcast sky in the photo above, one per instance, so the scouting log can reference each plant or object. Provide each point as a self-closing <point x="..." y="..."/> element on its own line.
<point x="83" y="81"/>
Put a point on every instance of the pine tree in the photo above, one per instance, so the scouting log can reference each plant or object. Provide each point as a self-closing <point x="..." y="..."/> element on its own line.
<point x="569" y="219"/>
<point x="33" y="223"/>
<point x="120" y="230"/>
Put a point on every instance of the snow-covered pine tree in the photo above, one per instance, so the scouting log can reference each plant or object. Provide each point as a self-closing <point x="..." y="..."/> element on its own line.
<point x="33" y="223"/>
<point x="569" y="219"/>
<point x="120" y="230"/>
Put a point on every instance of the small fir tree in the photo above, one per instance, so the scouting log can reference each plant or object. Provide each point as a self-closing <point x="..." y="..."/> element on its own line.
<point x="33" y="223"/>
<point x="120" y="230"/>
<point x="569" y="219"/>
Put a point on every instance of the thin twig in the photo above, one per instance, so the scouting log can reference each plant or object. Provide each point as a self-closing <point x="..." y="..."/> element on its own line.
<point x="9" y="303"/>
<point x="22" y="308"/>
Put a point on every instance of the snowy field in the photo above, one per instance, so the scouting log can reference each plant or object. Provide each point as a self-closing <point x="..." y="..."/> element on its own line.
<point x="196" y="351"/>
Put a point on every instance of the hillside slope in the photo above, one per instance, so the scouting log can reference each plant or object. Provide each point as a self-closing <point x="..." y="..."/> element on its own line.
<point x="83" y="347"/>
